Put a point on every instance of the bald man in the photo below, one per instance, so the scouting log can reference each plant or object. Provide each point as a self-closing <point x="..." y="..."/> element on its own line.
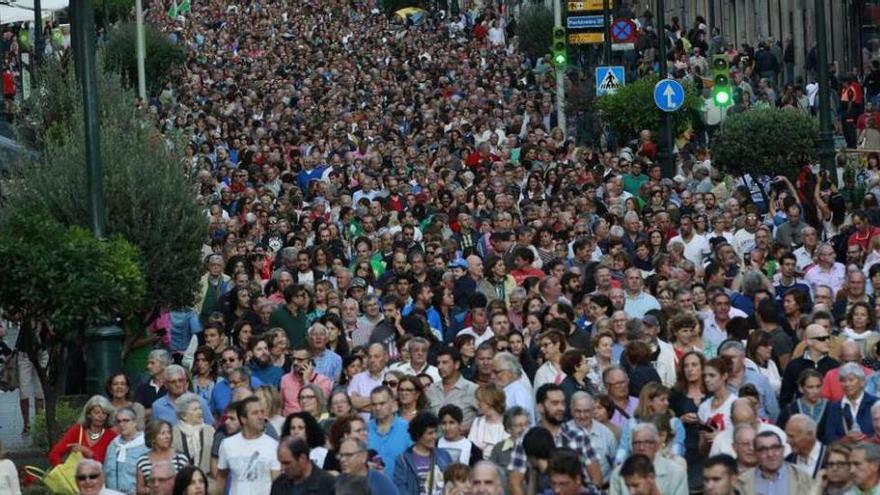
<point x="744" y="411"/>
<point x="816" y="356"/>
<point x="487" y="479"/>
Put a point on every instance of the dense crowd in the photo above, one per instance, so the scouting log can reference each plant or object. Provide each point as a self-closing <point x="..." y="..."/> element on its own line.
<point x="416" y="283"/>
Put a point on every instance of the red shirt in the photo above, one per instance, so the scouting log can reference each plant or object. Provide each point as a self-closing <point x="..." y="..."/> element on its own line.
<point x="77" y="435"/>
<point x="863" y="239"/>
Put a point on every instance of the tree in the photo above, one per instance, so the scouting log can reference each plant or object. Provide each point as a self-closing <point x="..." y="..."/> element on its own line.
<point x="56" y="281"/>
<point x="150" y="191"/>
<point x="631" y="109"/>
<point x="534" y="28"/>
<point x="162" y="56"/>
<point x="767" y="141"/>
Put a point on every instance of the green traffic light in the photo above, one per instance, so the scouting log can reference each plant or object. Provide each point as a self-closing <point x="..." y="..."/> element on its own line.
<point x="560" y="59"/>
<point x="722" y="97"/>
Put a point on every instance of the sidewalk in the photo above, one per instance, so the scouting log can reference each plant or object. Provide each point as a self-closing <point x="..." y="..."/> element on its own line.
<point x="11" y="424"/>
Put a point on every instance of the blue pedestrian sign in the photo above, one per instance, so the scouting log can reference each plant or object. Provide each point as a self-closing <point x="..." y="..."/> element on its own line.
<point x="585" y="21"/>
<point x="669" y="95"/>
<point x="609" y="79"/>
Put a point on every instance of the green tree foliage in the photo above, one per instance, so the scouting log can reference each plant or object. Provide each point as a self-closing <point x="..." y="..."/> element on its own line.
<point x="161" y="59"/>
<point x="117" y="10"/>
<point x="149" y="191"/>
<point x="88" y="280"/>
<point x="534" y="28"/>
<point x="767" y="141"/>
<point x="63" y="278"/>
<point x="632" y="109"/>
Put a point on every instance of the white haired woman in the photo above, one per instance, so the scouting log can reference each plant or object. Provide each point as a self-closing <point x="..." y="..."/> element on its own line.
<point x="191" y="435"/>
<point x="8" y="475"/>
<point x="90" y="435"/>
<point x="120" y="466"/>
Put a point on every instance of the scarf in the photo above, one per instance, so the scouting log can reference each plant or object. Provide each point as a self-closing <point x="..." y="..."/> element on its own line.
<point x="122" y="446"/>
<point x="192" y="440"/>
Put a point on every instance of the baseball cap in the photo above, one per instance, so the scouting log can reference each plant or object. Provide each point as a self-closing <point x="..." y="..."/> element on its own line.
<point x="651" y="321"/>
<point x="358" y="283"/>
<point x="458" y="263"/>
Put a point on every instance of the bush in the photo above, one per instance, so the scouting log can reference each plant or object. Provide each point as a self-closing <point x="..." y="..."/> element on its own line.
<point x="149" y="192"/>
<point x="65" y="414"/>
<point x="533" y="27"/>
<point x="162" y="56"/>
<point x="767" y="141"/>
<point x="116" y="9"/>
<point x="631" y="109"/>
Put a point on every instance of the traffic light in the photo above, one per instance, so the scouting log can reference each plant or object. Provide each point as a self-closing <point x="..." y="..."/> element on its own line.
<point x="722" y="91"/>
<point x="560" y="48"/>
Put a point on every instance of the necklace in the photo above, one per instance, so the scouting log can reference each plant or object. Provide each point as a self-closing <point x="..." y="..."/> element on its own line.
<point x="95" y="436"/>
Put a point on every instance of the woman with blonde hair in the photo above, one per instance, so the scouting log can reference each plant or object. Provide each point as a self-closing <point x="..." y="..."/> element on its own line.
<point x="312" y="400"/>
<point x="488" y="429"/>
<point x="90" y="435"/>
<point x="653" y="399"/>
<point x="270" y="398"/>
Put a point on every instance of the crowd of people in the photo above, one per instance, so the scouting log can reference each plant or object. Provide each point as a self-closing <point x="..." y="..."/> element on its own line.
<point x="416" y="283"/>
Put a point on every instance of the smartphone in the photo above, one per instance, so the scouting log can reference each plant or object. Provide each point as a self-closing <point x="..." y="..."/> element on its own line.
<point x="707" y="428"/>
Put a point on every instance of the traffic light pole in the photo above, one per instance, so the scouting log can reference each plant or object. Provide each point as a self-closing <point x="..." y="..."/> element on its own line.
<point x="667" y="148"/>
<point x="560" y="74"/>
<point x="606" y="23"/>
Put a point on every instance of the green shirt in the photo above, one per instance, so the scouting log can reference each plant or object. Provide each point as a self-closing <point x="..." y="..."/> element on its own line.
<point x="632" y="183"/>
<point x="294" y="326"/>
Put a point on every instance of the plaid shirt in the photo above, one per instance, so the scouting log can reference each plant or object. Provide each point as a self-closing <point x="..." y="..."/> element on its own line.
<point x="568" y="436"/>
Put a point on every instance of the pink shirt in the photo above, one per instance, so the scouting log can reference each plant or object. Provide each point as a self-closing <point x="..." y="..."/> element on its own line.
<point x="291" y="384"/>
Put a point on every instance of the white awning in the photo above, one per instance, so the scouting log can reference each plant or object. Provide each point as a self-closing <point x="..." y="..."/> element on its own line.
<point x="48" y="5"/>
<point x="10" y="15"/>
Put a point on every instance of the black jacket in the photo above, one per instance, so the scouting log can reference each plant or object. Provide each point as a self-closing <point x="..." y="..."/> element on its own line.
<point x="319" y="482"/>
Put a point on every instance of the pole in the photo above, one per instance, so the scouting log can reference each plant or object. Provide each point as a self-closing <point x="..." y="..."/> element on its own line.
<point x="38" y="35"/>
<point x="606" y="23"/>
<point x="667" y="147"/>
<point x="711" y="18"/>
<point x="560" y="74"/>
<point x="826" y="137"/>
<point x="85" y="27"/>
<point x="141" y="51"/>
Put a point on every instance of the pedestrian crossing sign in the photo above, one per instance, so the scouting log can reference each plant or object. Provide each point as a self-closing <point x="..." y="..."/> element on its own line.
<point x="609" y="79"/>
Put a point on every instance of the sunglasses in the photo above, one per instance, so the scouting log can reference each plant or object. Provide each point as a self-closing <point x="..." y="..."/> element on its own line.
<point x="822" y="338"/>
<point x="83" y="477"/>
<point x="390" y="383"/>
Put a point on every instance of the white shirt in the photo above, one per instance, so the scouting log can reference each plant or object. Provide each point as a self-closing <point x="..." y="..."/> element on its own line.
<point x="250" y="463"/>
<point x="696" y="250"/>
<point x="723" y="443"/>
<point x="834" y="277"/>
<point x="808" y="464"/>
<point x="853" y="407"/>
<point x="478" y="339"/>
<point x="743" y="242"/>
<point x="804" y="258"/>
<point x="407" y="369"/>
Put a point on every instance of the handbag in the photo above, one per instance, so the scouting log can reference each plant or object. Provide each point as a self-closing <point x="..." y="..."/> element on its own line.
<point x="9" y="373"/>
<point x="60" y="480"/>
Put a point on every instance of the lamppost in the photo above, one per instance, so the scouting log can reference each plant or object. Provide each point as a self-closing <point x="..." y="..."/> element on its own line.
<point x="667" y="147"/>
<point x="826" y="136"/>
<point x="84" y="29"/>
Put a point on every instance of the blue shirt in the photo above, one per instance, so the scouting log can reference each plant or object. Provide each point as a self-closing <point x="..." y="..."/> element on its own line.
<point x="163" y="408"/>
<point x="379" y="483"/>
<point x="184" y="325"/>
<point x="221" y="396"/>
<point x="636" y="306"/>
<point x="769" y="405"/>
<point x="777" y="483"/>
<point x="329" y="364"/>
<point x="269" y="374"/>
<point x="515" y="394"/>
<point x="390" y="445"/>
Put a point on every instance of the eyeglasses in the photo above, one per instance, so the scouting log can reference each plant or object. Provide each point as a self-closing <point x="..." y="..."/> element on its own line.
<point x="837" y="465"/>
<point x="390" y="383"/>
<point x="230" y="360"/>
<point x="769" y="448"/>
<point x="406" y="389"/>
<point x="348" y="455"/>
<point x="92" y="476"/>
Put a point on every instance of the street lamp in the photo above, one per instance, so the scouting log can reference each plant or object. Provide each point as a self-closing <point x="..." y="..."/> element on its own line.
<point x="826" y="137"/>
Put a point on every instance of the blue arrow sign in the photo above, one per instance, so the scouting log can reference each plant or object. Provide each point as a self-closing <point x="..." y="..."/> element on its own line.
<point x="584" y="21"/>
<point x="668" y="95"/>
